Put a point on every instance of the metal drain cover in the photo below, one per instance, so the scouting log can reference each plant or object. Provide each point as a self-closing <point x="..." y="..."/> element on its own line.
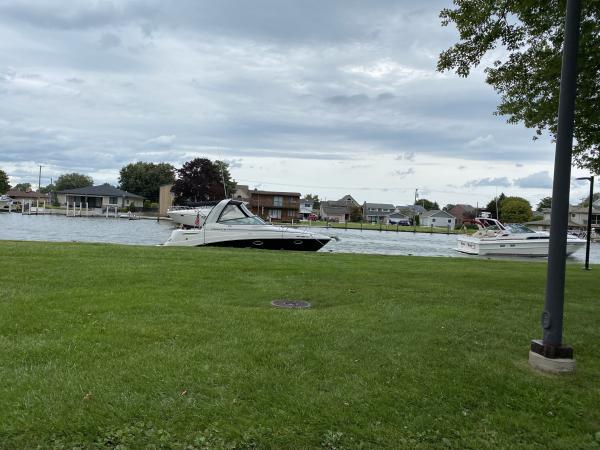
<point x="291" y="304"/>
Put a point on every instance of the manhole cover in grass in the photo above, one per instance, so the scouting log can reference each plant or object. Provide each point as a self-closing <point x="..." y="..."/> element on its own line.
<point x="291" y="304"/>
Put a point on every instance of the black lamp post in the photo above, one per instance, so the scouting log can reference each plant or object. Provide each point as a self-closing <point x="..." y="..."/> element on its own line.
<point x="589" y="222"/>
<point x="545" y="353"/>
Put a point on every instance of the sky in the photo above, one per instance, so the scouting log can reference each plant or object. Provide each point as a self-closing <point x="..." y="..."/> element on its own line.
<point x="329" y="98"/>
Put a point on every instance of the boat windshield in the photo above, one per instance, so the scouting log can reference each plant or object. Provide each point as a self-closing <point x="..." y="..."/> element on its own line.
<point x="517" y="228"/>
<point x="238" y="215"/>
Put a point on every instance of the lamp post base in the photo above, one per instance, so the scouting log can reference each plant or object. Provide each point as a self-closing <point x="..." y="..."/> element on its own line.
<point x="551" y="359"/>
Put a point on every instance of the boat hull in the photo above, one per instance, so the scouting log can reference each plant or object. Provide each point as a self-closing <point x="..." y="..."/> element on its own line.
<point x="528" y="247"/>
<point x="303" y="245"/>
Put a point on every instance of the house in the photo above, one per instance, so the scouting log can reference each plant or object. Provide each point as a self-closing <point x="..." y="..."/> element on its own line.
<point x="578" y="219"/>
<point x="338" y="210"/>
<point x="397" y="218"/>
<point x="463" y="212"/>
<point x="28" y="197"/>
<point x="334" y="213"/>
<point x="306" y="208"/>
<point x="99" y="197"/>
<point x="437" y="218"/>
<point x="410" y="210"/>
<point x="377" y="212"/>
<point x="274" y="205"/>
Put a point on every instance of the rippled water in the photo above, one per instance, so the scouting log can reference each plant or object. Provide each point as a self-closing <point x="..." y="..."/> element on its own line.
<point x="150" y="232"/>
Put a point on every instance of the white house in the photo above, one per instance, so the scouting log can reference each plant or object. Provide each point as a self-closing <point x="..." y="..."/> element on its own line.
<point x="437" y="218"/>
<point x="98" y="197"/>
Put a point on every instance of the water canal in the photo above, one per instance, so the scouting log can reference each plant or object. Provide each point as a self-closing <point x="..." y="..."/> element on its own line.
<point x="58" y="228"/>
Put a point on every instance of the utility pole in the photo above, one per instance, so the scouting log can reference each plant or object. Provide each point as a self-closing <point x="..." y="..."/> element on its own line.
<point x="40" y="179"/>
<point x="589" y="221"/>
<point x="550" y="354"/>
<point x="414" y="211"/>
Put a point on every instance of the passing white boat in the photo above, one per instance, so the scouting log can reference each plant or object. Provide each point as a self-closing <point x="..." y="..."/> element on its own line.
<point x="495" y="238"/>
<point x="231" y="224"/>
<point x="188" y="216"/>
<point x="6" y="203"/>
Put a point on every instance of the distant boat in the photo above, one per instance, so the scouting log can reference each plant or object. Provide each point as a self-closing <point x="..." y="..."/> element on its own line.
<point x="513" y="239"/>
<point x="6" y="203"/>
<point x="231" y="224"/>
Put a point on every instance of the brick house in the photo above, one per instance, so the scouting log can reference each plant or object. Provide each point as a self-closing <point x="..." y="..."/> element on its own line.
<point x="462" y="213"/>
<point x="276" y="206"/>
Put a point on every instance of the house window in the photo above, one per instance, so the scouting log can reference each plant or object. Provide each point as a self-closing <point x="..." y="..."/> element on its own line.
<point x="278" y="200"/>
<point x="449" y="220"/>
<point x="433" y="220"/>
<point x="113" y="200"/>
<point x="275" y="213"/>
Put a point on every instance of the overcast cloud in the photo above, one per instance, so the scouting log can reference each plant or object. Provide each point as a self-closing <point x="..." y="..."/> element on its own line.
<point x="326" y="97"/>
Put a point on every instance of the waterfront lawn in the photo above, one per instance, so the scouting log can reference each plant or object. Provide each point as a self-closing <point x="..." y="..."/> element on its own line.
<point x="104" y="346"/>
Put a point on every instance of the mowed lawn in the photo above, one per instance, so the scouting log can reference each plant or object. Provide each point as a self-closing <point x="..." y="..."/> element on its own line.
<point x="107" y="346"/>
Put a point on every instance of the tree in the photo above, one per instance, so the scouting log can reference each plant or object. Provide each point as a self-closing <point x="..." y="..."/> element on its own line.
<point x="448" y="207"/>
<point x="586" y="201"/>
<point x="24" y="187"/>
<point x="230" y="183"/>
<point x="515" y="209"/>
<point x="315" y="200"/>
<point x="544" y="203"/>
<point x="72" y="181"/>
<point x="4" y="184"/>
<point x="46" y="189"/>
<point x="491" y="206"/>
<point x="427" y="204"/>
<point x="528" y="79"/>
<point x="200" y="180"/>
<point x="356" y="214"/>
<point x="145" y="178"/>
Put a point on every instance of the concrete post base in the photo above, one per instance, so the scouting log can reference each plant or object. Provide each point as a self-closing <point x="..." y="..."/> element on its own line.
<point x="551" y="365"/>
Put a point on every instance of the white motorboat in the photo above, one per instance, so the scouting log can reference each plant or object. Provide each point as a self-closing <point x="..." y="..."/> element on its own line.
<point x="514" y="239"/>
<point x="231" y="224"/>
<point x="188" y="216"/>
<point x="6" y="203"/>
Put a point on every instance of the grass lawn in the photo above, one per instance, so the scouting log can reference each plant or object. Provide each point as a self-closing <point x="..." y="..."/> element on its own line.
<point x="380" y="227"/>
<point x="106" y="346"/>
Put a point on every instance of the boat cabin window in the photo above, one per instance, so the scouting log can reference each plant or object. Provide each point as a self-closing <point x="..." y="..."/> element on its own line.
<point x="239" y="215"/>
<point x="518" y="228"/>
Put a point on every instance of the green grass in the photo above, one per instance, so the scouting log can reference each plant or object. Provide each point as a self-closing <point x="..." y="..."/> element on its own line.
<point x="378" y="227"/>
<point x="106" y="346"/>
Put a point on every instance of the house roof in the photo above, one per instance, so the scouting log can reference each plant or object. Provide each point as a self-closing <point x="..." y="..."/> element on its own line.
<point x="380" y="205"/>
<point x="332" y="210"/>
<point x="31" y="194"/>
<point x="416" y="209"/>
<point x="290" y="194"/>
<point x="437" y="213"/>
<point x="398" y="215"/>
<point x="464" y="207"/>
<point x="303" y="200"/>
<point x="103" y="190"/>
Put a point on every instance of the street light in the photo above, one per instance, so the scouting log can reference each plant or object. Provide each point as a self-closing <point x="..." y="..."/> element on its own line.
<point x="589" y="221"/>
<point x="549" y="353"/>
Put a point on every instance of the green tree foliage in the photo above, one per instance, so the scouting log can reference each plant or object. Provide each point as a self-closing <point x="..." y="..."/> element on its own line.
<point x="199" y="180"/>
<point x="427" y="204"/>
<point x="491" y="206"/>
<point x="586" y="201"/>
<point x="24" y="187"/>
<point x="515" y="209"/>
<point x="528" y="78"/>
<point x="47" y="189"/>
<point x="546" y="202"/>
<point x="145" y="178"/>
<point x="356" y="214"/>
<point x="73" y="181"/>
<point x="4" y="184"/>
<point x="448" y="207"/>
<point x="230" y="183"/>
<point x="315" y="199"/>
